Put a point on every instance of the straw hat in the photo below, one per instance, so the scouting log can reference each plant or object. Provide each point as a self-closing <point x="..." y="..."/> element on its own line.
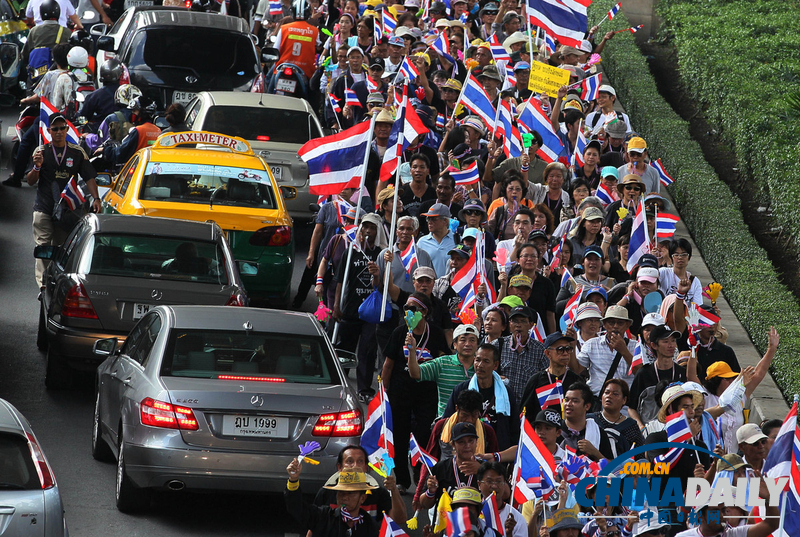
<point x="350" y="481"/>
<point x="673" y="393"/>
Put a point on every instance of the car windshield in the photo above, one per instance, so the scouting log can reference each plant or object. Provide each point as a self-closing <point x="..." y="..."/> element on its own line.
<point x="240" y="355"/>
<point x="17" y="471"/>
<point x="199" y="51"/>
<point x="262" y="124"/>
<point x="163" y="258"/>
<point x="210" y="185"/>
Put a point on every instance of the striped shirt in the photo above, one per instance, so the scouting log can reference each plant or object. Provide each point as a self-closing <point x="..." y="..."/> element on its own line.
<point x="448" y="373"/>
<point x="519" y="367"/>
<point x="597" y="357"/>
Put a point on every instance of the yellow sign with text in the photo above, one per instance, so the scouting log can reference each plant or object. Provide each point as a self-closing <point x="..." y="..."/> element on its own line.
<point x="547" y="79"/>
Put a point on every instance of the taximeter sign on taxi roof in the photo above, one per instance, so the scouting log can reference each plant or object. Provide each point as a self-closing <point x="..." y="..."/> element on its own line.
<point x="235" y="144"/>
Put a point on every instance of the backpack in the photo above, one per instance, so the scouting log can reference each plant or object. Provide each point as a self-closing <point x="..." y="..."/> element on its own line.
<point x="598" y="115"/>
<point x="118" y="130"/>
<point x="39" y="62"/>
<point x="647" y="407"/>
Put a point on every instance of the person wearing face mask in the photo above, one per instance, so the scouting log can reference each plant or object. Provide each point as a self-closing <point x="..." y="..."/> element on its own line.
<point x="637" y="165"/>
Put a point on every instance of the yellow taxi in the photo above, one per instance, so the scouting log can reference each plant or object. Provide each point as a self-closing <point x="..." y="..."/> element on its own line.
<point x="211" y="177"/>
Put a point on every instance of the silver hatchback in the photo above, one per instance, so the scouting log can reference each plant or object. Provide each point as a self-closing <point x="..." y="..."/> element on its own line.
<point x="218" y="398"/>
<point x="30" y="503"/>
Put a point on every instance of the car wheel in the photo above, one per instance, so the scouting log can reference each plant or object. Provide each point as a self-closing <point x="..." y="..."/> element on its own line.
<point x="100" y="449"/>
<point x="130" y="498"/>
<point x="41" y="335"/>
<point x="59" y="374"/>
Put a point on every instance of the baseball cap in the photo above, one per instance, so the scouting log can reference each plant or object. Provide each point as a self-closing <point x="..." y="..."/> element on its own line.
<point x="653" y="319"/>
<point x="55" y="116"/>
<point x="466" y="495"/>
<point x="351" y="213"/>
<point x="635" y="144"/>
<point x="537" y="234"/>
<point x="648" y="260"/>
<point x="519" y="66"/>
<point x="592" y="213"/>
<point x="647" y="274"/>
<point x="377" y="62"/>
<point x="548" y="417"/>
<point x="597" y="291"/>
<point x="470" y="233"/>
<point x="375" y="97"/>
<point x="355" y="49"/>
<point x="438" y="209"/>
<point x="465" y="329"/>
<point x="554" y="338"/>
<point x="605" y="88"/>
<point x="520" y="280"/>
<point x="720" y="369"/>
<point x="397" y="41"/>
<point x="424" y="272"/>
<point x="663" y="332"/>
<point x="462" y="250"/>
<point x="749" y="433"/>
<point x="463" y="430"/>
<point x="521" y="311"/>
<point x="593" y="249"/>
<point x="732" y="459"/>
<point x="609" y="171"/>
<point x="512" y="301"/>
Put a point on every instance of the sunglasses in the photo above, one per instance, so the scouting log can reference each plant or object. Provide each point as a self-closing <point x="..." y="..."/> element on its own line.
<point x="471" y="212"/>
<point x="564" y="349"/>
<point x="413" y="309"/>
<point x="58" y="129"/>
<point x="634" y="188"/>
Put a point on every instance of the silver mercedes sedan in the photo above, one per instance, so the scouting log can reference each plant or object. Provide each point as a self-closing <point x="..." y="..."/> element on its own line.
<point x="30" y="503"/>
<point x="220" y="398"/>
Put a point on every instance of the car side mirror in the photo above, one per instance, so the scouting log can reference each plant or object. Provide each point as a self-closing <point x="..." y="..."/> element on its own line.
<point x="347" y="359"/>
<point x="45" y="251"/>
<point x="98" y="29"/>
<point x="103" y="179"/>
<point x="105" y="42"/>
<point x="289" y="192"/>
<point x="9" y="60"/>
<point x="270" y="55"/>
<point x="313" y="208"/>
<point x="105" y="347"/>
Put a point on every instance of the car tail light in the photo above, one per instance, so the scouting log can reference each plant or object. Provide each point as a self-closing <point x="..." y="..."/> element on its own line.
<point x="272" y="236"/>
<point x="160" y="414"/>
<point x="42" y="468"/>
<point x="288" y="71"/>
<point x="257" y="379"/>
<point x="262" y="138"/>
<point x="187" y="4"/>
<point x="77" y="304"/>
<point x="236" y="299"/>
<point x="339" y="424"/>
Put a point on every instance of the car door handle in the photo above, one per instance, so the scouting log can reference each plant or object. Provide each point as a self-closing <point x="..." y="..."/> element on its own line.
<point x="7" y="510"/>
<point x="126" y="382"/>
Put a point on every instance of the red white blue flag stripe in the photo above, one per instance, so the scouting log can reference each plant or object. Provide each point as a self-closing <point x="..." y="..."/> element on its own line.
<point x="666" y="224"/>
<point x="666" y="179"/>
<point x="604" y="194"/>
<point x="462" y="280"/>
<point x="467" y="176"/>
<point x="550" y="394"/>
<point x="564" y="19"/>
<point x="580" y="146"/>
<point x="351" y="98"/>
<point x="72" y="194"/>
<point x="782" y="461"/>
<point x="389" y="22"/>
<point x="46" y="109"/>
<point x="458" y="522"/>
<point x="638" y="356"/>
<point x="640" y="239"/>
<point x="613" y="11"/>
<point x="678" y="427"/>
<point x="334" y="104"/>
<point x="491" y="514"/>
<point x="336" y="161"/>
<point x="535" y="119"/>
<point x="377" y="437"/>
<point x="475" y="98"/>
<point x="590" y="87"/>
<point x="419" y="454"/>
<point x="410" y="125"/>
<point x="634" y="29"/>
<point x="408" y="70"/>
<point x="389" y="528"/>
<point x="512" y="140"/>
<point x="275" y="7"/>
<point x="409" y="257"/>
<point x="537" y="466"/>
<point x="498" y="50"/>
<point x="572" y="305"/>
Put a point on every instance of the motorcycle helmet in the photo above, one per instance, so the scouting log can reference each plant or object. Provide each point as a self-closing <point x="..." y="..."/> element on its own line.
<point x="143" y="104"/>
<point x="77" y="57"/>
<point x="81" y="38"/>
<point x="111" y="71"/>
<point x="50" y="10"/>
<point x="126" y="94"/>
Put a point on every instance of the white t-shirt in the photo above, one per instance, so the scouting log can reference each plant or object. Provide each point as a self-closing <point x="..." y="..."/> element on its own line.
<point x="67" y="10"/>
<point x="521" y="527"/>
<point x="668" y="284"/>
<point x="595" y="120"/>
<point x="739" y="531"/>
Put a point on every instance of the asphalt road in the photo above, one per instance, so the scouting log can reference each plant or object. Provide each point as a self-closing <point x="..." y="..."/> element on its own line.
<point x="62" y="420"/>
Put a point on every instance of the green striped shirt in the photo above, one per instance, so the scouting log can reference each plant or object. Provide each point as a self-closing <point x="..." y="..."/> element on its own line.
<point x="448" y="373"/>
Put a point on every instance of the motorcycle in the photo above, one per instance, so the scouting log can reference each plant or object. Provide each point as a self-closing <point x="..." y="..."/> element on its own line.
<point x="288" y="79"/>
<point x="27" y="117"/>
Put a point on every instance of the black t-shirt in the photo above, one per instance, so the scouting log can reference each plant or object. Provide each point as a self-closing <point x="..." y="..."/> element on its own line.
<point x="530" y="401"/>
<point x="59" y="166"/>
<point x="359" y="286"/>
<point x="648" y="376"/>
<point x="378" y="501"/>
<point x="627" y="428"/>
<point x="450" y="477"/>
<point x="568" y="439"/>
<point x="718" y="352"/>
<point x="401" y="382"/>
<point x="439" y="314"/>
<point x="412" y="204"/>
<point x="543" y="299"/>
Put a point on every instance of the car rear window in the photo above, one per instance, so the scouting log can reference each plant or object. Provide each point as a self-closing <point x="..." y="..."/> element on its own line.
<point x="163" y="258"/>
<point x="234" y="355"/>
<point x="194" y="50"/>
<point x="17" y="471"/>
<point x="208" y="185"/>
<point x="261" y="123"/>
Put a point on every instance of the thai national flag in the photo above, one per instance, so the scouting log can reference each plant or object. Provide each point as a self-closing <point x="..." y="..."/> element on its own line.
<point x="336" y="161"/>
<point x="350" y="234"/>
<point x="556" y="254"/>
<point x="708" y="319"/>
<point x="605" y="195"/>
<point x="475" y="98"/>
<point x="334" y="104"/>
<point x="549" y="43"/>
<point x="590" y="87"/>
<point x="408" y="70"/>
<point x="572" y="305"/>
<point x="538" y="332"/>
<point x="614" y="11"/>
<point x="458" y="522"/>
<point x="512" y="140"/>
<point x="441" y="45"/>
<point x="275" y="7"/>
<point x="462" y="280"/>
<point x="342" y="208"/>
<point x="536" y="464"/>
<point x="377" y="31"/>
<point x="566" y="20"/>
<point x="389" y="22"/>
<point x="408" y="126"/>
<point x="419" y="454"/>
<point x="409" y="257"/>
<point x="377" y="437"/>
<point x="573" y="469"/>
<point x="441" y="121"/>
<point x="389" y="528"/>
<point x="351" y="98"/>
<point x="565" y="278"/>
<point x="535" y="119"/>
<point x="671" y="457"/>
<point x="491" y="514"/>
<point x="678" y="427"/>
<point x="464" y="18"/>
<point x="640" y="239"/>
<point x="580" y="146"/>
<point x="467" y="176"/>
<point x="72" y="194"/>
<point x="46" y="109"/>
<point x="371" y="85"/>
<point x="510" y="80"/>
<point x="638" y="356"/>
<point x="498" y="50"/>
<point x="665" y="178"/>
<point x="470" y="299"/>
<point x="550" y="394"/>
<point x="635" y="29"/>
<point x="666" y="224"/>
<point x="782" y="461"/>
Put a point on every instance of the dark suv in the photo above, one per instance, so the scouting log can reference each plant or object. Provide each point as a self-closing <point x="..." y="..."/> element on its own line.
<point x="173" y="53"/>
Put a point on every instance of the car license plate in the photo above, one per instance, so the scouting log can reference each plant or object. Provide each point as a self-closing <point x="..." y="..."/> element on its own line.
<point x="136" y="3"/>
<point x="263" y="426"/>
<point x="277" y="172"/>
<point x="139" y="310"/>
<point x="182" y="97"/>
<point x="286" y="85"/>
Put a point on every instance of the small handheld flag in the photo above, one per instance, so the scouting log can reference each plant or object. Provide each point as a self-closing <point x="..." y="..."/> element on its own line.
<point x="638" y="357"/>
<point x="665" y="178"/>
<point x="350" y="98"/>
<point x="418" y="454"/>
<point x="666" y="224"/>
<point x="275" y="8"/>
<point x="614" y="10"/>
<point x="491" y="514"/>
<point x="678" y="427"/>
<point x="590" y="87"/>
<point x="467" y="176"/>
<point x="334" y="104"/>
<point x="72" y="194"/>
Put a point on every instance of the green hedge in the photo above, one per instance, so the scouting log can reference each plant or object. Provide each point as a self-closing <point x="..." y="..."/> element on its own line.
<point x="707" y="206"/>
<point x="742" y="58"/>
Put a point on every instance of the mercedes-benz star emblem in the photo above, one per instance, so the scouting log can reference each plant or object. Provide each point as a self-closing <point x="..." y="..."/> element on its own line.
<point x="156" y="294"/>
<point x="191" y="79"/>
<point x="257" y="400"/>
